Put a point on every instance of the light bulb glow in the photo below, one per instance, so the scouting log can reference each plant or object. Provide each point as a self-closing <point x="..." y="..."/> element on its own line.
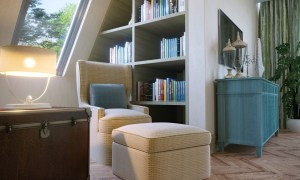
<point x="29" y="62"/>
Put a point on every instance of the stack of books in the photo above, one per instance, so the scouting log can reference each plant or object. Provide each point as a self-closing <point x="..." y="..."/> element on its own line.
<point x="161" y="90"/>
<point x="172" y="47"/>
<point x="150" y="9"/>
<point x="121" y="54"/>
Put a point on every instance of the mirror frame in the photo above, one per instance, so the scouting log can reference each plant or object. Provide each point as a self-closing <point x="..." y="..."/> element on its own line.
<point x="227" y="29"/>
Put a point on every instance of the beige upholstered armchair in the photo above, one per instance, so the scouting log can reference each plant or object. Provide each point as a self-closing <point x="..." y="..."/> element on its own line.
<point x="103" y="121"/>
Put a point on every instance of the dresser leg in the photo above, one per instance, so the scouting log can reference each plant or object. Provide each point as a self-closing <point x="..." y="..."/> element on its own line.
<point x="221" y="146"/>
<point x="276" y="133"/>
<point x="259" y="151"/>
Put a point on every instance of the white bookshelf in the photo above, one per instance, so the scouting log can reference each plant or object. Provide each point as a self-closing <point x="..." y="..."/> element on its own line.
<point x="146" y="61"/>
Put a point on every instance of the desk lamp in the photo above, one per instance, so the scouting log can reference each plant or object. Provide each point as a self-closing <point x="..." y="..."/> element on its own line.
<point x="27" y="61"/>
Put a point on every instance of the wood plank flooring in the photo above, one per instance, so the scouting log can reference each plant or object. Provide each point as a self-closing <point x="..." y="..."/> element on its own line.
<point x="280" y="160"/>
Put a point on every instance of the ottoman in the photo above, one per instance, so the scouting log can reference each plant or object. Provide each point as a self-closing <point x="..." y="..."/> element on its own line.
<point x="155" y="151"/>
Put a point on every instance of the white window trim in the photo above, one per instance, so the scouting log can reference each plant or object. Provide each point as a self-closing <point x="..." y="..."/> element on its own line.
<point x="71" y="36"/>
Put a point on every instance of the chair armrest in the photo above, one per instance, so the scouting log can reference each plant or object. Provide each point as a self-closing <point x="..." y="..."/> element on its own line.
<point x="139" y="108"/>
<point x="96" y="114"/>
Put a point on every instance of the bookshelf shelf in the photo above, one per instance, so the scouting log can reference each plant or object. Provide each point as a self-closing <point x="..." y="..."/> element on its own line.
<point x="176" y="64"/>
<point x="120" y="32"/>
<point x="165" y="103"/>
<point x="166" y="25"/>
<point x="158" y="51"/>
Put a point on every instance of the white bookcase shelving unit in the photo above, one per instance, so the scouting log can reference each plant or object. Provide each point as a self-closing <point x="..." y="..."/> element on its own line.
<point x="122" y="24"/>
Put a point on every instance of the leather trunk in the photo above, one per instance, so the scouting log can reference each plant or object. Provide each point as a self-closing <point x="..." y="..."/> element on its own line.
<point x="44" y="144"/>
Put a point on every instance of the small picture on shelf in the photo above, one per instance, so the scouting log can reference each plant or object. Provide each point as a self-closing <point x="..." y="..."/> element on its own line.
<point x="145" y="90"/>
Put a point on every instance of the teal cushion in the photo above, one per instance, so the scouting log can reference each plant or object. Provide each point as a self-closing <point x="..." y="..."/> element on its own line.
<point x="108" y="95"/>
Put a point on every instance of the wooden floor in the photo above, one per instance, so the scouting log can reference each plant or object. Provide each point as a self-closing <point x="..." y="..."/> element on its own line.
<point x="280" y="160"/>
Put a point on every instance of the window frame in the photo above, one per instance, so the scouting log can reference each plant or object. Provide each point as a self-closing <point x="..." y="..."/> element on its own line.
<point x="68" y="45"/>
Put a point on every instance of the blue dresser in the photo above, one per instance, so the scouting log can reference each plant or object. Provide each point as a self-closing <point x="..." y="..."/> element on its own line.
<point x="247" y="112"/>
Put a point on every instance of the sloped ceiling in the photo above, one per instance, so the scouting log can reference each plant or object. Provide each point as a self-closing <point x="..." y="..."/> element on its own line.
<point x="9" y="14"/>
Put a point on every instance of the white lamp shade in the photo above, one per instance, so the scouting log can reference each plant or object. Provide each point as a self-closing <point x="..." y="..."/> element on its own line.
<point x="27" y="61"/>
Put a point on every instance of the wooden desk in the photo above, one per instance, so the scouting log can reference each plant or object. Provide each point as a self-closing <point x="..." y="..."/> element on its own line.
<point x="44" y="144"/>
<point x="247" y="112"/>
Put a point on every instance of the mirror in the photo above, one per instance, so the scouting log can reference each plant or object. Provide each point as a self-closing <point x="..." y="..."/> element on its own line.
<point x="227" y="29"/>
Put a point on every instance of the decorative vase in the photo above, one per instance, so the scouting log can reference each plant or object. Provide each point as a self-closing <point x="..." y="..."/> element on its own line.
<point x="229" y="74"/>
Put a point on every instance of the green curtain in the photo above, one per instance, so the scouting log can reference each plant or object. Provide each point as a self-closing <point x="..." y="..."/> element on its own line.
<point x="278" y="23"/>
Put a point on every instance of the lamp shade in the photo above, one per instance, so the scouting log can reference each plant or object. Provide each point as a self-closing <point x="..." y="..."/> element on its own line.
<point x="27" y="61"/>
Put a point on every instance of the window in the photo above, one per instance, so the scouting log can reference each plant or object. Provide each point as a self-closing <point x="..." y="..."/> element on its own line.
<point x="50" y="24"/>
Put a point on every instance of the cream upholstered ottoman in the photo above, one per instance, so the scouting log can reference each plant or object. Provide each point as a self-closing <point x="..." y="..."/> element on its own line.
<point x="161" y="151"/>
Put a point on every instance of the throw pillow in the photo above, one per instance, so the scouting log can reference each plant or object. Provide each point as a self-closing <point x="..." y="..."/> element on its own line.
<point x="108" y="95"/>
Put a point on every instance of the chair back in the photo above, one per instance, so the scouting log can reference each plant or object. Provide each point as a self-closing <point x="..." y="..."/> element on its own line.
<point x="88" y="72"/>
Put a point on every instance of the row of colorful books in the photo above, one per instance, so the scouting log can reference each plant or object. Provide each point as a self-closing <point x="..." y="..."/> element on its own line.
<point x="161" y="90"/>
<point x="150" y="9"/>
<point x="172" y="47"/>
<point x="121" y="54"/>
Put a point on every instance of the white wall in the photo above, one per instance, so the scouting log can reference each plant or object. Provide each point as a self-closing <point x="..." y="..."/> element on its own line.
<point x="196" y="63"/>
<point x="9" y="15"/>
<point x="62" y="90"/>
<point x="243" y="13"/>
<point x="203" y="53"/>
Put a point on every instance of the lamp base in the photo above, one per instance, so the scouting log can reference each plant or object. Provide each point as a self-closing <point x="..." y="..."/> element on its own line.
<point x="28" y="106"/>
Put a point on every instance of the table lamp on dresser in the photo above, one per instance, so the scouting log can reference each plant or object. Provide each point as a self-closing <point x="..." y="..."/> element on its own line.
<point x="27" y="61"/>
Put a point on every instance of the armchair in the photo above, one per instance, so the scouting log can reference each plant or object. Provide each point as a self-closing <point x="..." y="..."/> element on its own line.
<point x="103" y="121"/>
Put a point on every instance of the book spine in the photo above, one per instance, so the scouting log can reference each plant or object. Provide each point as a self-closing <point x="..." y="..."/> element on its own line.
<point x="161" y="89"/>
<point x="162" y="48"/>
<point x="165" y="90"/>
<point x="167" y="7"/>
<point x="110" y="55"/>
<point x="183" y="44"/>
<point x="153" y="91"/>
<point x="178" y="46"/>
<point x="139" y="14"/>
<point x="139" y="90"/>
<point x="183" y="98"/>
<point x="156" y="90"/>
